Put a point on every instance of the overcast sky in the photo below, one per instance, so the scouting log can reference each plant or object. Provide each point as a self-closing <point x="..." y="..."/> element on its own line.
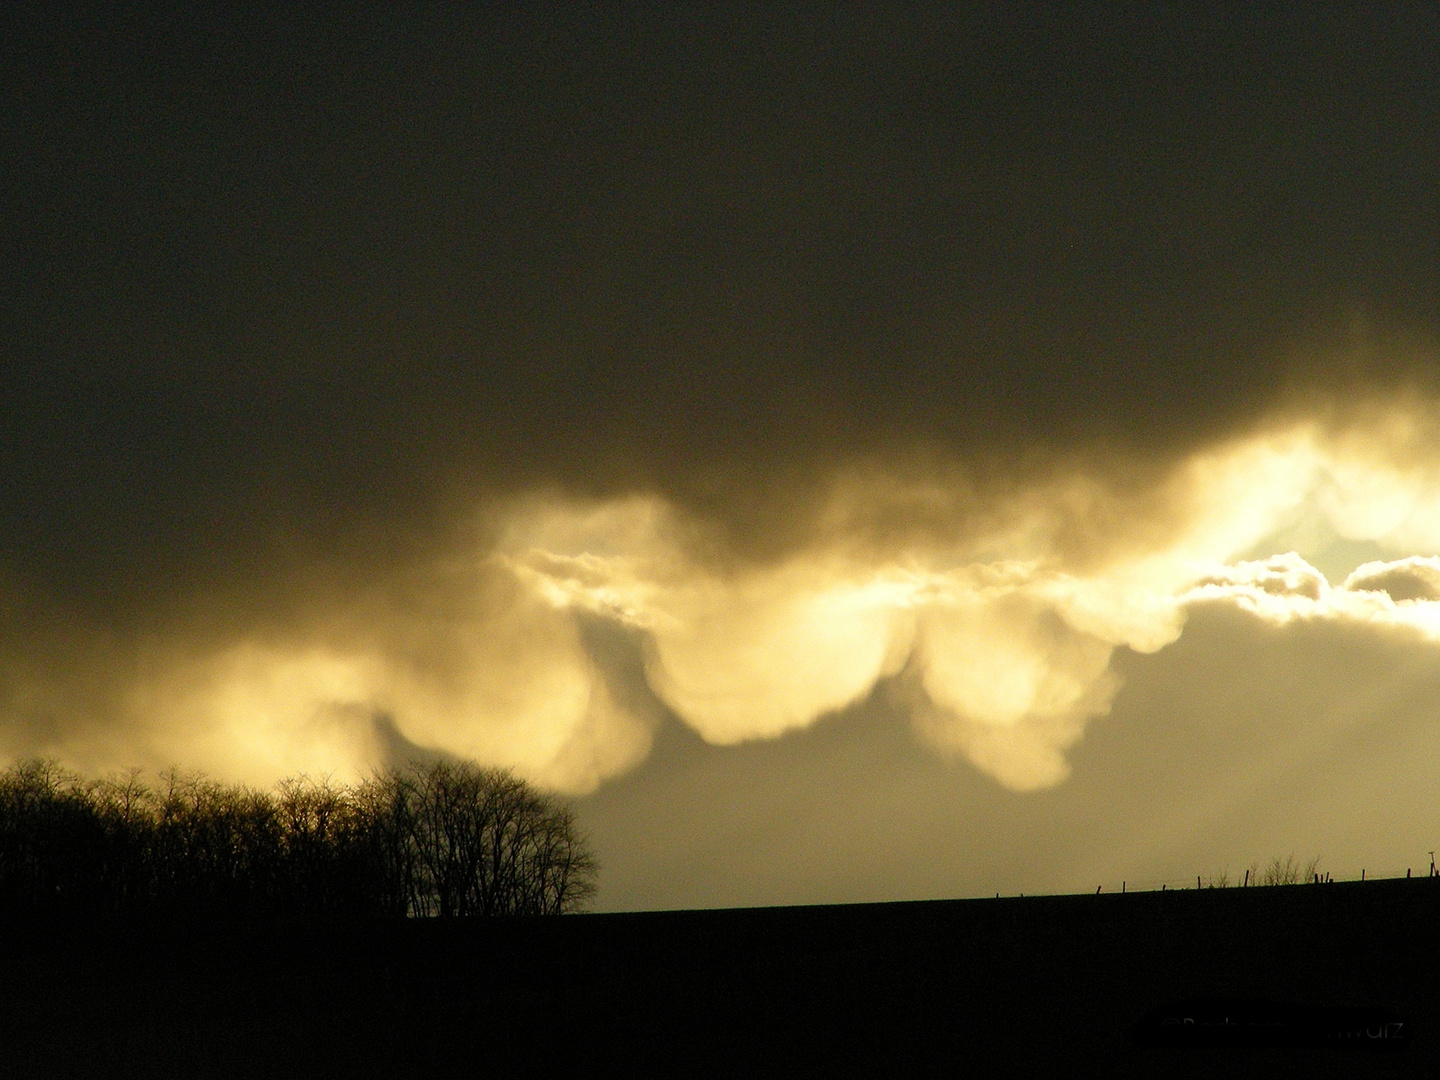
<point x="862" y="456"/>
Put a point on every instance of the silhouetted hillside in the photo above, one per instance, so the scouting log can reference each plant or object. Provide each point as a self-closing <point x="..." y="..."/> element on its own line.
<point x="1064" y="985"/>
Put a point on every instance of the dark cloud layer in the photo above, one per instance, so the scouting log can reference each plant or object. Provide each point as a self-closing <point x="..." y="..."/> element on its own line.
<point x="278" y="286"/>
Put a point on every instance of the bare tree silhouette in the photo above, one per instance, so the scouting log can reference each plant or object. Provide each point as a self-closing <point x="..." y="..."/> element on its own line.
<point x="471" y="841"/>
<point x="445" y="839"/>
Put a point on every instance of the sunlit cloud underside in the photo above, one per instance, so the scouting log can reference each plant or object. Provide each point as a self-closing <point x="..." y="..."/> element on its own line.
<point x="991" y="622"/>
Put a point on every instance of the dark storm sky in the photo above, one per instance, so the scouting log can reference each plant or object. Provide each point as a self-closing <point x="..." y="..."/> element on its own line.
<point x="280" y="278"/>
<point x="547" y="384"/>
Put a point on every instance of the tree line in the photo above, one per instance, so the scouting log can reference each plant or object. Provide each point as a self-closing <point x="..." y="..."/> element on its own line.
<point x="445" y="839"/>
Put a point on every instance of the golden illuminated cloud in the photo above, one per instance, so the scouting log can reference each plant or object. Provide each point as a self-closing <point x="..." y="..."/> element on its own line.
<point x="992" y="621"/>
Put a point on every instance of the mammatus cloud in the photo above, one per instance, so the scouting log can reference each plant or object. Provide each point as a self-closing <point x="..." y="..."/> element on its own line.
<point x="991" y="621"/>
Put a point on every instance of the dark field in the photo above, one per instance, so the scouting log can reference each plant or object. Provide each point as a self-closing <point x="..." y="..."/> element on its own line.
<point x="1337" y="979"/>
